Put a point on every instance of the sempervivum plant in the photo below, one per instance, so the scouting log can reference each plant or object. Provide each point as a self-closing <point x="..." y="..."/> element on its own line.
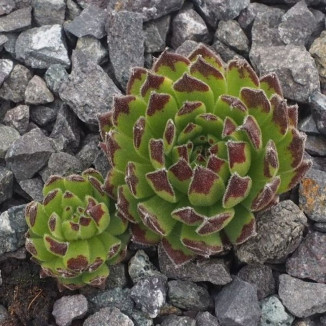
<point x="73" y="234"/>
<point x="196" y="146"/>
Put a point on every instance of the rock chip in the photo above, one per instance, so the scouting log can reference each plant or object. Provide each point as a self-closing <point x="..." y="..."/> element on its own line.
<point x="88" y="90"/>
<point x="321" y="227"/>
<point x="188" y="295"/>
<point x="6" y="67"/>
<point x="49" y="12"/>
<point x="188" y="25"/>
<point x="3" y="40"/>
<point x="73" y="10"/>
<point x="237" y="304"/>
<point x="55" y="75"/>
<point x="43" y="115"/>
<point x="4" y="314"/>
<point x="17" y="20"/>
<point x="18" y="118"/>
<point x="7" y="136"/>
<point x="224" y="51"/>
<point x="108" y="317"/>
<point x="315" y="145"/>
<point x="318" y="107"/>
<point x="302" y="298"/>
<point x="308" y="126"/>
<point x="318" y="52"/>
<point x="68" y="308"/>
<point x="33" y="188"/>
<point x="6" y="184"/>
<point x="93" y="49"/>
<point x="273" y="313"/>
<point x="117" y="277"/>
<point x="28" y="154"/>
<point x="89" y="149"/>
<point x="40" y="47"/>
<point x="279" y="232"/>
<point x="7" y="6"/>
<point x="91" y="22"/>
<point x="37" y="92"/>
<point x="11" y="42"/>
<point x="307" y="261"/>
<point x="174" y="320"/>
<point x="126" y="43"/>
<point x="13" y="88"/>
<point x="206" y="319"/>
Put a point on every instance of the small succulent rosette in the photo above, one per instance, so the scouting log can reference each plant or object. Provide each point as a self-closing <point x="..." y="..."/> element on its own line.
<point x="74" y="234"/>
<point x="196" y="146"/>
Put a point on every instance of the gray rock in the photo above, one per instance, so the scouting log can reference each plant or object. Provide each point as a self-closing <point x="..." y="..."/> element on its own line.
<point x="117" y="277"/>
<point x="321" y="227"/>
<point x="306" y="322"/>
<point x="308" y="126"/>
<point x="273" y="313"/>
<point x="140" y="267"/>
<point x="188" y="295"/>
<point x="140" y="319"/>
<point x="91" y="22"/>
<point x="4" y="314"/>
<point x="93" y="49"/>
<point x="101" y="163"/>
<point x="6" y="67"/>
<point x="18" y="118"/>
<point x="174" y="320"/>
<point x="40" y="47"/>
<point x="55" y="75"/>
<point x="7" y="136"/>
<point x="206" y="319"/>
<point x="7" y="6"/>
<point x="297" y="71"/>
<point x="315" y="145"/>
<point x="73" y="10"/>
<point x="17" y="20"/>
<point x="11" y="43"/>
<point x="126" y="43"/>
<point x="320" y="25"/>
<point x="155" y="33"/>
<point x="68" y="308"/>
<point x="261" y="276"/>
<point x="43" y="115"/>
<point x="61" y="164"/>
<point x="230" y="33"/>
<point x="301" y="298"/>
<point x="279" y="233"/>
<point x="49" y="12"/>
<point x="150" y="9"/>
<point x="216" y="10"/>
<point x="187" y="47"/>
<point x="33" y="188"/>
<point x="88" y="90"/>
<point x="306" y="261"/>
<point x="12" y="229"/>
<point x="6" y="184"/>
<point x="211" y="270"/>
<point x="311" y="195"/>
<point x="318" y="52"/>
<point x="188" y="25"/>
<point x="237" y="304"/>
<point x="28" y="154"/>
<point x="89" y="150"/>
<point x="108" y="317"/>
<point x="23" y="3"/>
<point x="224" y="51"/>
<point x="318" y="108"/>
<point x="3" y="40"/>
<point x="149" y="295"/>
<point x="13" y="88"/>
<point x="37" y="92"/>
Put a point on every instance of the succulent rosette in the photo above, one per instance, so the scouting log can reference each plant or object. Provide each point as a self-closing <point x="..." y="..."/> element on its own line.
<point x="196" y="146"/>
<point x="74" y="234"/>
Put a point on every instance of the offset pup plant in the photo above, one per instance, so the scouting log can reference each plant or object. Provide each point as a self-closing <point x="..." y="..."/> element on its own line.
<point x="196" y="146"/>
<point x="74" y="234"/>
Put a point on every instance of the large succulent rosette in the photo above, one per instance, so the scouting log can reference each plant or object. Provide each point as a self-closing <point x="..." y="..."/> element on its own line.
<point x="196" y="146"/>
<point x="74" y="233"/>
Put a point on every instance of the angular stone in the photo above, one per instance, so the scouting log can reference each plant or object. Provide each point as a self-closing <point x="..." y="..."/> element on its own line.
<point x="4" y="314"/>
<point x="101" y="163"/>
<point x="320" y="25"/>
<point x="117" y="277"/>
<point x="93" y="49"/>
<point x="55" y="76"/>
<point x="297" y="24"/>
<point x="16" y="21"/>
<point x="150" y="9"/>
<point x="7" y="136"/>
<point x="61" y="164"/>
<point x="316" y="145"/>
<point x="188" y="295"/>
<point x="37" y="92"/>
<point x="214" y="11"/>
<point x="187" y="47"/>
<point x="297" y="71"/>
<point x="18" y="118"/>
<point x="273" y="313"/>
<point x="279" y="233"/>
<point x="292" y="291"/>
<point x="261" y="276"/>
<point x="91" y="22"/>
<point x="13" y="88"/>
<point x="12" y="229"/>
<point x="212" y="270"/>
<point x="237" y="304"/>
<point x="318" y="108"/>
<point x="307" y="261"/>
<point x="68" y="308"/>
<point x="11" y="43"/>
<point x="206" y="319"/>
<point x="3" y="40"/>
<point x="6" y="67"/>
<point x="308" y="126"/>
<point x="224" y="51"/>
<point x="7" y="6"/>
<point x="89" y="150"/>
<point x="73" y="10"/>
<point x="149" y="295"/>
<point x="40" y="47"/>
<point x="321" y="227"/>
<point x="6" y="184"/>
<point x="88" y="90"/>
<point x="108" y="317"/>
<point x="43" y="115"/>
<point x="230" y="33"/>
<point x="188" y="25"/>
<point x="33" y="188"/>
<point x="126" y="43"/>
<point x="49" y="12"/>
<point x="28" y="154"/>
<point x="311" y="195"/>
<point x="139" y="318"/>
<point x="174" y="320"/>
<point x="318" y="52"/>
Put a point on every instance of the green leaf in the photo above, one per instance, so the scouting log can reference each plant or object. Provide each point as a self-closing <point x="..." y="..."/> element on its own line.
<point x="188" y="112"/>
<point x="36" y="247"/>
<point x="179" y="174"/>
<point x="54" y="246"/>
<point x="96" y="278"/>
<point x="136" y="81"/>
<point x="113" y="180"/>
<point x="156" y="153"/>
<point x="169" y="136"/>
<point x="239" y="155"/>
<point x="77" y="257"/>
<point x="211" y="123"/>
<point x="127" y="204"/>
<point x="190" y="131"/>
<point x="142" y="134"/>
<point x="53" y="182"/>
<point x="141" y="234"/>
<point x="270" y="84"/>
<point x="36" y="218"/>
